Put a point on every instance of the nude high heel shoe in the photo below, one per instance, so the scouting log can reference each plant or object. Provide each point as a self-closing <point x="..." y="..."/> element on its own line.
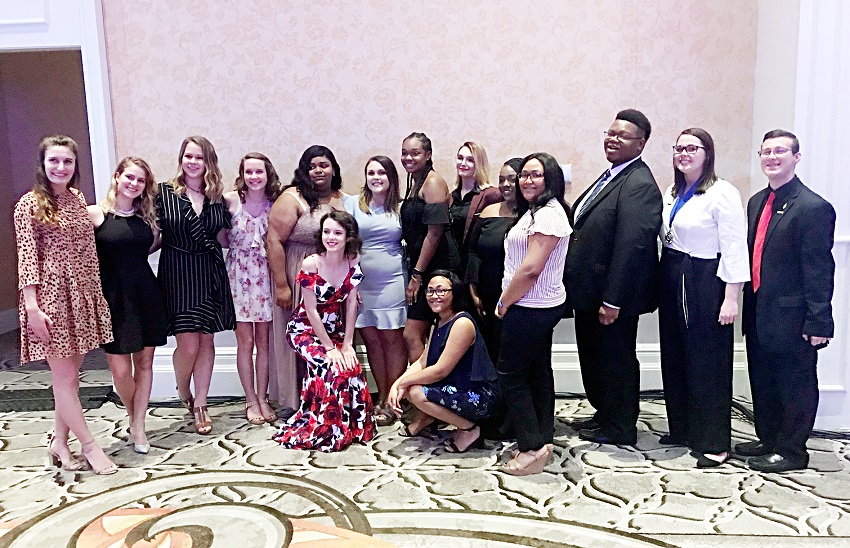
<point x="106" y="470"/>
<point x="66" y="462"/>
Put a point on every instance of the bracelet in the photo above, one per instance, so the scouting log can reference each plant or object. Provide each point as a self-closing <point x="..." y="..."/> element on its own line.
<point x="499" y="304"/>
<point x="416" y="272"/>
<point x="417" y="277"/>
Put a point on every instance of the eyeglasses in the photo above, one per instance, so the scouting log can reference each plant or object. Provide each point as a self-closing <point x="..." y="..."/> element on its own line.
<point x="535" y="175"/>
<point x="778" y="151"/>
<point x="619" y="136"/>
<point x="437" y="291"/>
<point x="690" y="149"/>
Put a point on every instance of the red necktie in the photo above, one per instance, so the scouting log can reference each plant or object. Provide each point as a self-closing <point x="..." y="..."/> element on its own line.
<point x="758" y="245"/>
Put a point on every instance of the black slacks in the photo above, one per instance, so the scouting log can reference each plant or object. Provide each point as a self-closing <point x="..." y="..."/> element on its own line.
<point x="525" y="373"/>
<point x="696" y="352"/>
<point x="785" y="393"/>
<point x="610" y="370"/>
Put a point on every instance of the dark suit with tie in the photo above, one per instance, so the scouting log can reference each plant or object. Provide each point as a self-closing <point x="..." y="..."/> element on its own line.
<point x="613" y="258"/>
<point x="794" y="298"/>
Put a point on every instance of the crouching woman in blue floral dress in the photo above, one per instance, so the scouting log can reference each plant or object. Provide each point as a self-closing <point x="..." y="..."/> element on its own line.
<point x="454" y="380"/>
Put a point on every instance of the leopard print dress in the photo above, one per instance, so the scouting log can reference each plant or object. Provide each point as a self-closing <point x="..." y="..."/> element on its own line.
<point x="61" y="261"/>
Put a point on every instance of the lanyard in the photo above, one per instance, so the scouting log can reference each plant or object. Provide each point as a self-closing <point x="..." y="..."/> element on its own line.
<point x="680" y="201"/>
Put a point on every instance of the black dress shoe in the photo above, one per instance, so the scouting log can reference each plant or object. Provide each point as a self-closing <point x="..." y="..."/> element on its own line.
<point x="751" y="449"/>
<point x="600" y="436"/>
<point x="585" y="424"/>
<point x="667" y="439"/>
<point x="775" y="462"/>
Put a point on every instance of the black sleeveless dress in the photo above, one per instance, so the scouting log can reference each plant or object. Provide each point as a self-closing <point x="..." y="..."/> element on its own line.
<point x="129" y="285"/>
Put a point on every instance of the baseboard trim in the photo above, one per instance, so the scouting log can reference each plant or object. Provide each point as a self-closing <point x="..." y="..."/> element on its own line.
<point x="564" y="364"/>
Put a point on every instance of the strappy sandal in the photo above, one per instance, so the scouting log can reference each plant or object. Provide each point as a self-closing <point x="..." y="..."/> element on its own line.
<point x="406" y="432"/>
<point x="66" y="462"/>
<point x="477" y="443"/>
<point x="188" y="403"/>
<point x="535" y="466"/>
<point x="105" y="470"/>
<point x="271" y="417"/>
<point x="256" y="419"/>
<point x="203" y="422"/>
<point x="384" y="416"/>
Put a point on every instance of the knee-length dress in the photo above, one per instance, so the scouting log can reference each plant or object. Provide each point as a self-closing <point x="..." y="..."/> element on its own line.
<point x="131" y="289"/>
<point x="284" y="375"/>
<point x="248" y="266"/>
<point x="60" y="260"/>
<point x="191" y="265"/>
<point x="382" y="292"/>
<point x="336" y="409"/>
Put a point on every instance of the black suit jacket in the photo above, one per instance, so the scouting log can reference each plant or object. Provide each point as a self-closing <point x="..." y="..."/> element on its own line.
<point x="613" y="251"/>
<point x="797" y="272"/>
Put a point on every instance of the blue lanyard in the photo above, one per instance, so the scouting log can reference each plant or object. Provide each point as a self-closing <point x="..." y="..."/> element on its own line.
<point x="681" y="199"/>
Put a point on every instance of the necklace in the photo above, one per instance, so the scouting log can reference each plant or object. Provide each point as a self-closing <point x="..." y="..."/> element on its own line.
<point x="199" y="191"/>
<point x="123" y="213"/>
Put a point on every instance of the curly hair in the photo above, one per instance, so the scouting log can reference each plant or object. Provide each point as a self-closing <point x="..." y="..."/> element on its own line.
<point x="273" y="186"/>
<point x="353" y="243"/>
<point x="46" y="205"/>
<point x="301" y="177"/>
<point x="213" y="183"/>
<point x="145" y="204"/>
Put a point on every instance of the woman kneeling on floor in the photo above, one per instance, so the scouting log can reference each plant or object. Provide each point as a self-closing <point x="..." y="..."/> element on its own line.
<point x="454" y="380"/>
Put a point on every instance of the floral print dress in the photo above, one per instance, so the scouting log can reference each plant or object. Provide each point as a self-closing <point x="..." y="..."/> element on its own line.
<point x="248" y="266"/>
<point x="336" y="409"/>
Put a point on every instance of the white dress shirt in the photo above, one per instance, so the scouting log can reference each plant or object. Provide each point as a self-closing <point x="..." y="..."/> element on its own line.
<point x="708" y="224"/>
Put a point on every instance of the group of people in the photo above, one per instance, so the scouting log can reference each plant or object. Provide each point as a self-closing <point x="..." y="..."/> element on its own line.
<point x="455" y="292"/>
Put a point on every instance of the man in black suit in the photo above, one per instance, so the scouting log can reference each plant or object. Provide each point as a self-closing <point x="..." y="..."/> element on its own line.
<point x="787" y="312"/>
<point x="610" y="269"/>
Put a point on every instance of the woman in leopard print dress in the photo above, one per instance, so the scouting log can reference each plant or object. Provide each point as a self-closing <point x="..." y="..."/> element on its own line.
<point x="62" y="311"/>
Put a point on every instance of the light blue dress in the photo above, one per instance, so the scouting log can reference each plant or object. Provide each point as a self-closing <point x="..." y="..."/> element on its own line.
<point x="381" y="260"/>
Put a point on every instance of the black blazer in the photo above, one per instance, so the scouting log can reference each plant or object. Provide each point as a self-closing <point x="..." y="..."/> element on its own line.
<point x="797" y="272"/>
<point x="613" y="250"/>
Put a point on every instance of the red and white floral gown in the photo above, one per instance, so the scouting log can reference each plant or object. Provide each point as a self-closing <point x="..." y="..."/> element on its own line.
<point x="336" y="409"/>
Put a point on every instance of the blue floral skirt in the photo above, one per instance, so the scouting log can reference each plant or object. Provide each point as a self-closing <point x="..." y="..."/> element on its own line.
<point x="473" y="404"/>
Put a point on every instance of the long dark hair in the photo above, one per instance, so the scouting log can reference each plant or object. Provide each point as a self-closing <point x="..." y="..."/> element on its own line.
<point x="301" y="176"/>
<point x="553" y="179"/>
<point x="708" y="177"/>
<point x="460" y="300"/>
<point x="392" y="198"/>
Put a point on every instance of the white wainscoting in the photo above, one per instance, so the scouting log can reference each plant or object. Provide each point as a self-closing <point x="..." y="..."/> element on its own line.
<point x="564" y="362"/>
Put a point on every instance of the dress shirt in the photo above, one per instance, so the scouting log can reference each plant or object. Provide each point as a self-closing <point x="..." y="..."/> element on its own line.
<point x="708" y="224"/>
<point x="614" y="172"/>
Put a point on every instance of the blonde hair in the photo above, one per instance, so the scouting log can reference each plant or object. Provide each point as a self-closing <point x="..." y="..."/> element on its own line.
<point x="213" y="184"/>
<point x="145" y="204"/>
<point x="482" y="165"/>
<point x="46" y="205"/>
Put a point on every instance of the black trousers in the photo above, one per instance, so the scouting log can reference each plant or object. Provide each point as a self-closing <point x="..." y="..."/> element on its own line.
<point x="785" y="393"/>
<point x="525" y="373"/>
<point x="610" y="369"/>
<point x="696" y="352"/>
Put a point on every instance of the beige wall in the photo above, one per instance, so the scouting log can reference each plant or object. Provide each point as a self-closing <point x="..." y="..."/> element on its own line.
<point x="42" y="94"/>
<point x="278" y="76"/>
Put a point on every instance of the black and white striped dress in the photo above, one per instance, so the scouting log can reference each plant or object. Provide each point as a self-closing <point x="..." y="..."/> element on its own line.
<point x="191" y="266"/>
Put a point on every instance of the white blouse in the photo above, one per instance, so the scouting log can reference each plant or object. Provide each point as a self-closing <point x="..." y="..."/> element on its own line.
<point x="548" y="290"/>
<point x="708" y="224"/>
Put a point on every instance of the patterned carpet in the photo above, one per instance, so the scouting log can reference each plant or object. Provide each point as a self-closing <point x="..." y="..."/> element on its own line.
<point x="238" y="488"/>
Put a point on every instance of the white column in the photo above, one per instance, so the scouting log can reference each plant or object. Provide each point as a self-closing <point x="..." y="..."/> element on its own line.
<point x="822" y="116"/>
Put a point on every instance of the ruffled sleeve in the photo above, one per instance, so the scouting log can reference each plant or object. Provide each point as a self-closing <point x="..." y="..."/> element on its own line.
<point x="28" y="272"/>
<point x="436" y="214"/>
<point x="306" y="280"/>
